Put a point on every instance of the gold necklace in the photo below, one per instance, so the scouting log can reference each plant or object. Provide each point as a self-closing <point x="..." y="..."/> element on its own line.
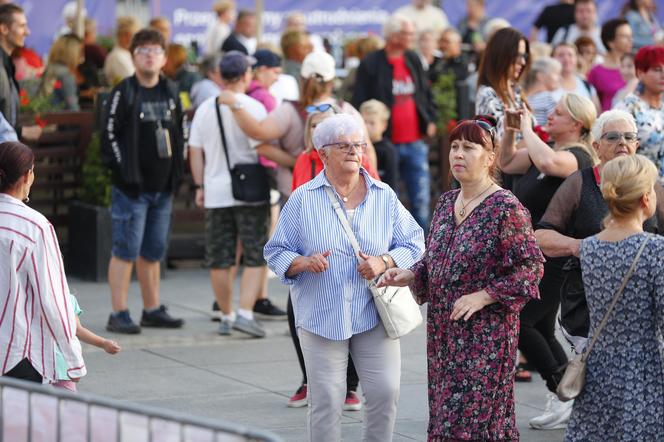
<point x="462" y="212"/>
<point x="345" y="198"/>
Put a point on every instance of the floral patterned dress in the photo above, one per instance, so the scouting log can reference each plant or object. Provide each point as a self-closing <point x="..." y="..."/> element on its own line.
<point x="472" y="364"/>
<point x="623" y="399"/>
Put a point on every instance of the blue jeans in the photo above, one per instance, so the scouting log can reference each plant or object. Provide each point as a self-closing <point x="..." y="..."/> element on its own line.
<point x="414" y="171"/>
<point x="140" y="225"/>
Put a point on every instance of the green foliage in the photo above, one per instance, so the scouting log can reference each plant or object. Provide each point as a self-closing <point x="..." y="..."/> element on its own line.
<point x="444" y="96"/>
<point x="96" y="178"/>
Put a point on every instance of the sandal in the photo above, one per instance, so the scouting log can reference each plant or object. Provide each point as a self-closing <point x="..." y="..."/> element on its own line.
<point x="522" y="375"/>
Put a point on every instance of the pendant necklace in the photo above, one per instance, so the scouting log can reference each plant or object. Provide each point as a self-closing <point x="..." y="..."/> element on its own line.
<point x="462" y="212"/>
<point x="345" y="198"/>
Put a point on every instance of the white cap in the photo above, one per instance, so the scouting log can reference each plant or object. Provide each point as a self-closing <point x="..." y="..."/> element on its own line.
<point x="319" y="63"/>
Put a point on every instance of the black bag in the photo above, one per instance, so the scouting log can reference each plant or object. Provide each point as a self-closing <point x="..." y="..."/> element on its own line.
<point x="574" y="315"/>
<point x="249" y="181"/>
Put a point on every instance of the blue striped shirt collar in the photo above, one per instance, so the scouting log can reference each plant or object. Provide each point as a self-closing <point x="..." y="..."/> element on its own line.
<point x="321" y="180"/>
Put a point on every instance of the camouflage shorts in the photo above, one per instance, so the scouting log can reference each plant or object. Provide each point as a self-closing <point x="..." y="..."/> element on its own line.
<point x="224" y="226"/>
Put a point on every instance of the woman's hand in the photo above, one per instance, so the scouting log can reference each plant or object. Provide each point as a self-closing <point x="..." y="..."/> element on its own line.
<point x="526" y="122"/>
<point x="318" y="263"/>
<point x="226" y="97"/>
<point x="467" y="305"/>
<point x="396" y="277"/>
<point x="371" y="267"/>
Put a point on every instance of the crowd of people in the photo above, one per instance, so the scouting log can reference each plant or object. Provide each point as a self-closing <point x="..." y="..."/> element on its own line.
<point x="556" y="159"/>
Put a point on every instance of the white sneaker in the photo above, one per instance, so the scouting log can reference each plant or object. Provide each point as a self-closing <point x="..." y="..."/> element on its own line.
<point x="555" y="416"/>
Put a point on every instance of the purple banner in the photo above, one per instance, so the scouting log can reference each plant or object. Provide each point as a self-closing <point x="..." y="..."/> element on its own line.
<point x="340" y="20"/>
<point x="45" y="21"/>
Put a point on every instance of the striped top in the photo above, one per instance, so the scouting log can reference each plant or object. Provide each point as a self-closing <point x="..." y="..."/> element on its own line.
<point x="35" y="312"/>
<point x="337" y="303"/>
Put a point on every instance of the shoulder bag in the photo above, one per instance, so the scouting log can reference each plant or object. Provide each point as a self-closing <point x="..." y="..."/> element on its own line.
<point x="249" y="181"/>
<point x="574" y="379"/>
<point x="396" y="306"/>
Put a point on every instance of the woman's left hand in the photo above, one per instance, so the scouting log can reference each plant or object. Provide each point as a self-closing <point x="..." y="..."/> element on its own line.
<point x="372" y="266"/>
<point x="467" y="305"/>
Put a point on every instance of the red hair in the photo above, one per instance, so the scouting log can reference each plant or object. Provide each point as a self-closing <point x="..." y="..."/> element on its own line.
<point x="649" y="57"/>
<point x="470" y="130"/>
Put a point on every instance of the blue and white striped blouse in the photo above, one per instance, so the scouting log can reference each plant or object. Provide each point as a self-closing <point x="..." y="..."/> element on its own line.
<point x="337" y="303"/>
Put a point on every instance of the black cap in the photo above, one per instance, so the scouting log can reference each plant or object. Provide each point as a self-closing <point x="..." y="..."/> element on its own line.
<point x="265" y="57"/>
<point x="234" y="64"/>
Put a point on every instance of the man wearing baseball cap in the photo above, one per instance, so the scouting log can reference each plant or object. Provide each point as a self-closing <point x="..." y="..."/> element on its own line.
<point x="228" y="220"/>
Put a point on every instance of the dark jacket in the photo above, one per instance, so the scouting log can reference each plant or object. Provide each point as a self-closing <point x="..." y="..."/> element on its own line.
<point x="120" y="134"/>
<point x="374" y="80"/>
<point x="9" y="91"/>
<point x="232" y="43"/>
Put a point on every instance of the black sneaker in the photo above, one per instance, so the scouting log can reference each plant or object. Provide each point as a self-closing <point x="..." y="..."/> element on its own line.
<point x="216" y="312"/>
<point x="160" y="318"/>
<point x="264" y="309"/>
<point x="121" y="322"/>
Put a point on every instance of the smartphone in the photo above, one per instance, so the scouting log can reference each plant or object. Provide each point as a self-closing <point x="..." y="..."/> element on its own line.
<point x="513" y="119"/>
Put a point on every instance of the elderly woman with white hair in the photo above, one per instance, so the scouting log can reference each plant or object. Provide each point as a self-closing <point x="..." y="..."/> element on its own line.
<point x="542" y="82"/>
<point x="334" y="309"/>
<point x="578" y="209"/>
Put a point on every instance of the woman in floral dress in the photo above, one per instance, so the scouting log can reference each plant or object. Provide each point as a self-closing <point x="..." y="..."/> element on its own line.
<point x="482" y="265"/>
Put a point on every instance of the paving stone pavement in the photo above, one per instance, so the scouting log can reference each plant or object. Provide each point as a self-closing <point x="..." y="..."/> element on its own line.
<point x="240" y="379"/>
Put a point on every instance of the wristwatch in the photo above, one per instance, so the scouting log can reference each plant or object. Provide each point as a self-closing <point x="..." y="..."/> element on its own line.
<point x="198" y="186"/>
<point x="236" y="106"/>
<point x="386" y="260"/>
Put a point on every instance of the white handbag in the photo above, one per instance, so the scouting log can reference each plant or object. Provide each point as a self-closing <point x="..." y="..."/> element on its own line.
<point x="396" y="306"/>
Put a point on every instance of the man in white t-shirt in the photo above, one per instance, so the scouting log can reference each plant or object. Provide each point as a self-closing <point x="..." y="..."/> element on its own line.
<point x="585" y="24"/>
<point x="227" y="219"/>
<point x="425" y="16"/>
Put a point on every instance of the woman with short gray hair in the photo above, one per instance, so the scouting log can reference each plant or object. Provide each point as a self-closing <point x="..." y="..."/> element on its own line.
<point x="334" y="309"/>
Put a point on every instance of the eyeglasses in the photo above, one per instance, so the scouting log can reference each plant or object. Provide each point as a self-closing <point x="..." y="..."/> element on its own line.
<point x="145" y="50"/>
<point x="525" y="56"/>
<point x="614" y="137"/>
<point x="312" y="109"/>
<point x="347" y="147"/>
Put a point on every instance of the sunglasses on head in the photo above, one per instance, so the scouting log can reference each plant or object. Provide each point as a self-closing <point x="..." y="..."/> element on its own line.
<point x="487" y="127"/>
<point x="312" y="109"/>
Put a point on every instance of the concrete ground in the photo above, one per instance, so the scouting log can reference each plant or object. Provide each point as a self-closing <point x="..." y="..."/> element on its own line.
<point x="239" y="379"/>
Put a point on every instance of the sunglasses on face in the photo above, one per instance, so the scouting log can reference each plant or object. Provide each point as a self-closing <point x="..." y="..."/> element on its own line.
<point x="347" y="147"/>
<point x="614" y="136"/>
<point x="312" y="109"/>
<point x="524" y="57"/>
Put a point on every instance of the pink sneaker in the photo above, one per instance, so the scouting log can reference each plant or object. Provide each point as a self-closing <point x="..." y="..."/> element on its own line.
<point x="299" y="399"/>
<point x="352" y="402"/>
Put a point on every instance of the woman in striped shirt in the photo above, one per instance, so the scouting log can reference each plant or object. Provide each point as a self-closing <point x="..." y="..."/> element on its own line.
<point x="334" y="309"/>
<point x="35" y="312"/>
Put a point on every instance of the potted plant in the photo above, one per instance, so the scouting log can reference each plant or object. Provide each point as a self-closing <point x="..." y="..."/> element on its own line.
<point x="445" y="97"/>
<point x="90" y="219"/>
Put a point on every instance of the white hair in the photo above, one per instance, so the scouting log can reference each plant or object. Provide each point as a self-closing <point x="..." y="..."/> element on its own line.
<point x="612" y="116"/>
<point x="494" y="25"/>
<point x="335" y="127"/>
<point x="394" y="24"/>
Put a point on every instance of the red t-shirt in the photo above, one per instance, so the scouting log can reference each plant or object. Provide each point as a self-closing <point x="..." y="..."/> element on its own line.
<point x="405" y="127"/>
<point x="302" y="172"/>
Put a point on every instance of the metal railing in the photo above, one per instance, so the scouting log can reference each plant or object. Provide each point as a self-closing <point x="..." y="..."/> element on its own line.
<point x="31" y="412"/>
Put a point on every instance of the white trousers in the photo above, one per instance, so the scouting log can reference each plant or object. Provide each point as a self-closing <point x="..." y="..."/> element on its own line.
<point x="377" y="359"/>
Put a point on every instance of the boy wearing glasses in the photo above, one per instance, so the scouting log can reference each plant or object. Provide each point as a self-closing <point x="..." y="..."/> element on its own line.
<point x="143" y="145"/>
